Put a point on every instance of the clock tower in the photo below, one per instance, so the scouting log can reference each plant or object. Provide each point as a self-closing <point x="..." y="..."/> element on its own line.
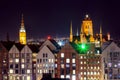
<point x="22" y="33"/>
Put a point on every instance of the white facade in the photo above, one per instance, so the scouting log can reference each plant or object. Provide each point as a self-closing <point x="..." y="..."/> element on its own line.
<point x="20" y="63"/>
<point x="14" y="63"/>
<point x="45" y="62"/>
<point x="111" y="59"/>
<point x="26" y="63"/>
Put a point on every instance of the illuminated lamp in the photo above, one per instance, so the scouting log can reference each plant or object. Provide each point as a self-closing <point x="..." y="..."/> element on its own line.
<point x="49" y="37"/>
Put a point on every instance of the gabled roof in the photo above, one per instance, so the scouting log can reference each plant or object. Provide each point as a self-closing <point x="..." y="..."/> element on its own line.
<point x="34" y="48"/>
<point x="7" y="44"/>
<point x="19" y="46"/>
<point x="55" y="43"/>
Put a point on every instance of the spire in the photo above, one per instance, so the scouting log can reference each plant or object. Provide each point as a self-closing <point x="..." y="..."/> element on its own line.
<point x="22" y="22"/>
<point x="101" y="40"/>
<point x="100" y="29"/>
<point x="77" y="32"/>
<point x="71" y="33"/>
<point x="71" y="28"/>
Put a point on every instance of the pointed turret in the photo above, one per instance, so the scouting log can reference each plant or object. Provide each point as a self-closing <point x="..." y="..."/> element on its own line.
<point x="108" y="36"/>
<point x="71" y="33"/>
<point x="101" y="33"/>
<point x="77" y="32"/>
<point x="22" y="22"/>
<point x="22" y="32"/>
<point x="101" y="40"/>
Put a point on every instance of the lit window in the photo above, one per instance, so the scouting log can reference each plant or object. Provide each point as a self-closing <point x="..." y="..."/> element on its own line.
<point x="52" y="60"/>
<point x="28" y="71"/>
<point x="94" y="73"/>
<point x="115" y="65"/>
<point x="11" y="60"/>
<point x="81" y="73"/>
<point x="62" y="76"/>
<point x="81" y="62"/>
<point x="81" y="67"/>
<point x="22" y="60"/>
<point x="68" y="76"/>
<point x="73" y="71"/>
<point x="23" y="66"/>
<point x="91" y="67"/>
<point x="67" y="60"/>
<point x="16" y="60"/>
<point x="49" y="60"/>
<point x="81" y="57"/>
<point x="91" y="73"/>
<point x="73" y="60"/>
<point x="84" y="73"/>
<point x="40" y="71"/>
<point x="73" y="77"/>
<point x="98" y="52"/>
<point x="98" y="67"/>
<point x="85" y="62"/>
<point x="28" y="78"/>
<point x="67" y="65"/>
<point x="62" y="55"/>
<point x="62" y="65"/>
<point x="55" y="65"/>
<point x="11" y="70"/>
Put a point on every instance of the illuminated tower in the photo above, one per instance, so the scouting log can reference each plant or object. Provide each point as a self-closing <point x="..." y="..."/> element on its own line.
<point x="101" y="34"/>
<point x="108" y="36"/>
<point x="22" y="32"/>
<point x="71" y="33"/>
<point x="87" y="28"/>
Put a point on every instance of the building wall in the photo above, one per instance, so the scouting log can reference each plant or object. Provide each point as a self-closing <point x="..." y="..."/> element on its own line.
<point x="67" y="63"/>
<point x="111" y="58"/>
<point x="45" y="62"/>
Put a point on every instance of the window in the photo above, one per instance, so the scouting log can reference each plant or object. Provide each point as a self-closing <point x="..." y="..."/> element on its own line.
<point x="11" y="71"/>
<point x="73" y="71"/>
<point x="17" y="55"/>
<point x="73" y="55"/>
<point x="28" y="78"/>
<point x="23" y="71"/>
<point x="28" y="60"/>
<point x="62" y="55"/>
<point x="11" y="55"/>
<point x="67" y="70"/>
<point x="16" y="71"/>
<point x="11" y="65"/>
<point x="73" y="60"/>
<point x="40" y="60"/>
<point x="28" y="71"/>
<point x="73" y="77"/>
<point x="62" y="76"/>
<point x="46" y="55"/>
<point x="43" y="54"/>
<point x="22" y="66"/>
<point x="16" y="60"/>
<point x="67" y="60"/>
<point x="28" y="54"/>
<point x="23" y="55"/>
<point x="16" y="65"/>
<point x="62" y="65"/>
<point x="22" y="60"/>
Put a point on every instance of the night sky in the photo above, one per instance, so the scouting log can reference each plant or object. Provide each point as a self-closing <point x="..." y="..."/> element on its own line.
<point x="53" y="17"/>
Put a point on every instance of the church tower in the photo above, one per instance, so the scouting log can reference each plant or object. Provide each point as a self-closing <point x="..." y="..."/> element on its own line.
<point x="87" y="29"/>
<point x="71" y="33"/>
<point x="22" y="32"/>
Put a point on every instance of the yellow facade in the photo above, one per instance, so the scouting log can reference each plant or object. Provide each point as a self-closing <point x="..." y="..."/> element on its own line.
<point x="22" y="33"/>
<point x="87" y="29"/>
<point x="22" y="37"/>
